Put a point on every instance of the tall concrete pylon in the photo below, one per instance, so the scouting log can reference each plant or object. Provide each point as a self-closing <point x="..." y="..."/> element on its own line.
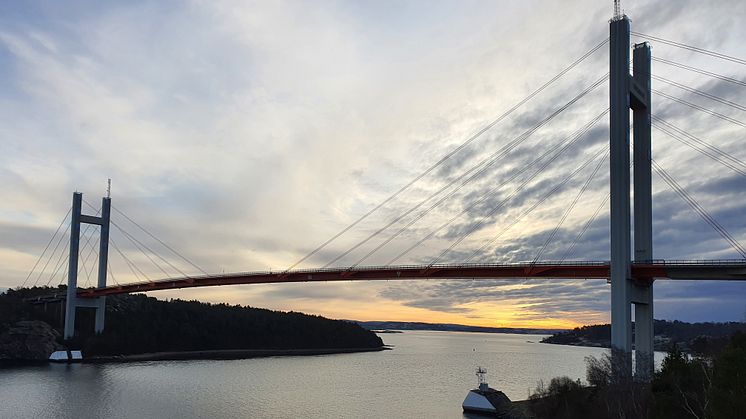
<point x="73" y="302"/>
<point x="633" y="92"/>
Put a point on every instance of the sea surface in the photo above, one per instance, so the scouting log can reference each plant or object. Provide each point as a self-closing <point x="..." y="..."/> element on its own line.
<point x="425" y="375"/>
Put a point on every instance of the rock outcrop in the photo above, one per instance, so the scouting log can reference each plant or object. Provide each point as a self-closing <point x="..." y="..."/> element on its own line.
<point x="30" y="340"/>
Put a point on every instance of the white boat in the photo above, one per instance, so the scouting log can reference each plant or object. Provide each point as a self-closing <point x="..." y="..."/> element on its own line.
<point x="486" y="400"/>
<point x="66" y="356"/>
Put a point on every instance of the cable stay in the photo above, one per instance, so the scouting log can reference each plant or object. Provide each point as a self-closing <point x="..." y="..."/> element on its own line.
<point x="91" y="251"/>
<point x="699" y="108"/>
<point x="110" y="274"/>
<point x="475" y="172"/>
<point x="63" y="277"/>
<point x="49" y="243"/>
<point x="704" y="148"/>
<point x="133" y="267"/>
<point x="578" y="134"/>
<point x="564" y="145"/>
<point x="698" y="208"/>
<point x="569" y="209"/>
<point x="137" y="245"/>
<point x="134" y="239"/>
<point x="182" y="257"/>
<point x="699" y="71"/>
<point x="699" y="92"/>
<point x="587" y="225"/>
<point x="691" y="48"/>
<point x="140" y="245"/>
<point x="523" y="214"/>
<point x="449" y="155"/>
<point x="54" y="251"/>
<point x="61" y="260"/>
<point x="83" y="266"/>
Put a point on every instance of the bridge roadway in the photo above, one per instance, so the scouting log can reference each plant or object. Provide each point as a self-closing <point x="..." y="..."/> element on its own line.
<point x="718" y="270"/>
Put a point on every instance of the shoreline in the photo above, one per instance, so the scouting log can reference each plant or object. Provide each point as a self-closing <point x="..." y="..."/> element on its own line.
<point x="215" y="354"/>
<point x="226" y="354"/>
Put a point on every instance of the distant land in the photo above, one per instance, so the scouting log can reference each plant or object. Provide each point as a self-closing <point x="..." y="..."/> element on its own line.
<point x="448" y="327"/>
<point x="689" y="337"/>
<point x="139" y="327"/>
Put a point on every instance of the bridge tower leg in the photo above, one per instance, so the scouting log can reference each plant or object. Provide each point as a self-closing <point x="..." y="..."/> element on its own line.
<point x="627" y="92"/>
<point x="643" y="208"/>
<point x="73" y="302"/>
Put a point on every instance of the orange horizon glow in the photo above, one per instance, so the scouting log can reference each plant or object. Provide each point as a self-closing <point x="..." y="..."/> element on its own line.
<point x="507" y="314"/>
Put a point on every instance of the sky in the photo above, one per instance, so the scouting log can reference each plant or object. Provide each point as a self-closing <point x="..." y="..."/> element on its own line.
<point x="245" y="134"/>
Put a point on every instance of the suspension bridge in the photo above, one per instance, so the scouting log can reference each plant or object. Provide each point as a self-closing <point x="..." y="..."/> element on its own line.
<point x="631" y="271"/>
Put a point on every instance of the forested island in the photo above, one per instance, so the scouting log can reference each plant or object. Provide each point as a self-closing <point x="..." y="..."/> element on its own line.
<point x="688" y="337"/>
<point x="137" y="324"/>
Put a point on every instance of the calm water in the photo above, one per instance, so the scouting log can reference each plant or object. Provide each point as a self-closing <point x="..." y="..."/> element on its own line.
<point x="426" y="375"/>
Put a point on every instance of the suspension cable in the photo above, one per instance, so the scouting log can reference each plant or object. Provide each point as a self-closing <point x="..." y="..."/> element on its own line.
<point x="61" y="260"/>
<point x="699" y="92"/>
<point x="699" y="71"/>
<point x="62" y="276"/>
<point x="524" y="213"/>
<point x="110" y="272"/>
<point x="562" y="146"/>
<point x="67" y="245"/>
<point x="692" y="48"/>
<point x="569" y="209"/>
<point x="46" y="247"/>
<point x="699" y="108"/>
<point x="722" y="157"/>
<point x="482" y="167"/>
<point x="54" y="251"/>
<point x="698" y="208"/>
<point x="87" y="257"/>
<point x="590" y="221"/>
<point x="135" y="242"/>
<point x="449" y="155"/>
<point x="184" y="258"/>
<point x="133" y="267"/>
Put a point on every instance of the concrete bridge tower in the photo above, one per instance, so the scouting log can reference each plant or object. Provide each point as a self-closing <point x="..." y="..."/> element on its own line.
<point x="73" y="302"/>
<point x="630" y="91"/>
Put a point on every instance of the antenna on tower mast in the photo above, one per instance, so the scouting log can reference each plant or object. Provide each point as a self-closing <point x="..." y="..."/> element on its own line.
<point x="108" y="188"/>
<point x="617" y="10"/>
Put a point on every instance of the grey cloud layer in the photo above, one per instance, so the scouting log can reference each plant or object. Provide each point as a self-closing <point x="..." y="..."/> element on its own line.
<point x="246" y="135"/>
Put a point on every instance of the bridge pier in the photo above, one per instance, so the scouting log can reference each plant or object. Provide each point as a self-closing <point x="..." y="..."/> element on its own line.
<point x="627" y="92"/>
<point x="72" y="301"/>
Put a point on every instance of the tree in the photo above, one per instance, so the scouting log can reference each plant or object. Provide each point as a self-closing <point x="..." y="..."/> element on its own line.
<point x="728" y="390"/>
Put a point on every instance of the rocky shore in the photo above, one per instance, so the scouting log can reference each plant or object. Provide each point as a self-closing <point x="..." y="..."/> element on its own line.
<point x="29" y="340"/>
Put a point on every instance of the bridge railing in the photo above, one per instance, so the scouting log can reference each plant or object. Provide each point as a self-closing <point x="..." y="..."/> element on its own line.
<point x="692" y="262"/>
<point x="369" y="268"/>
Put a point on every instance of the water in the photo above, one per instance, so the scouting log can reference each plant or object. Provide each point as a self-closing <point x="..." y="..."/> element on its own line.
<point x="427" y="375"/>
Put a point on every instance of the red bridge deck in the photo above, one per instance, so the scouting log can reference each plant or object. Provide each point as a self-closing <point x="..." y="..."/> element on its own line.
<point x="701" y="270"/>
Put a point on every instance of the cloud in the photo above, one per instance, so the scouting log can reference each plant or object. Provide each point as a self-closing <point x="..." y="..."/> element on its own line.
<point x="245" y="135"/>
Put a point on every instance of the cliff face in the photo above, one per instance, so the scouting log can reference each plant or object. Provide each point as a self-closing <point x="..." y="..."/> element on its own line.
<point x="30" y="340"/>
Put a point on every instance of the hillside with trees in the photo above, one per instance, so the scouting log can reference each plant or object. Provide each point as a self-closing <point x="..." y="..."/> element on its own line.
<point x="138" y="324"/>
<point x="688" y="337"/>
<point x="710" y="385"/>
